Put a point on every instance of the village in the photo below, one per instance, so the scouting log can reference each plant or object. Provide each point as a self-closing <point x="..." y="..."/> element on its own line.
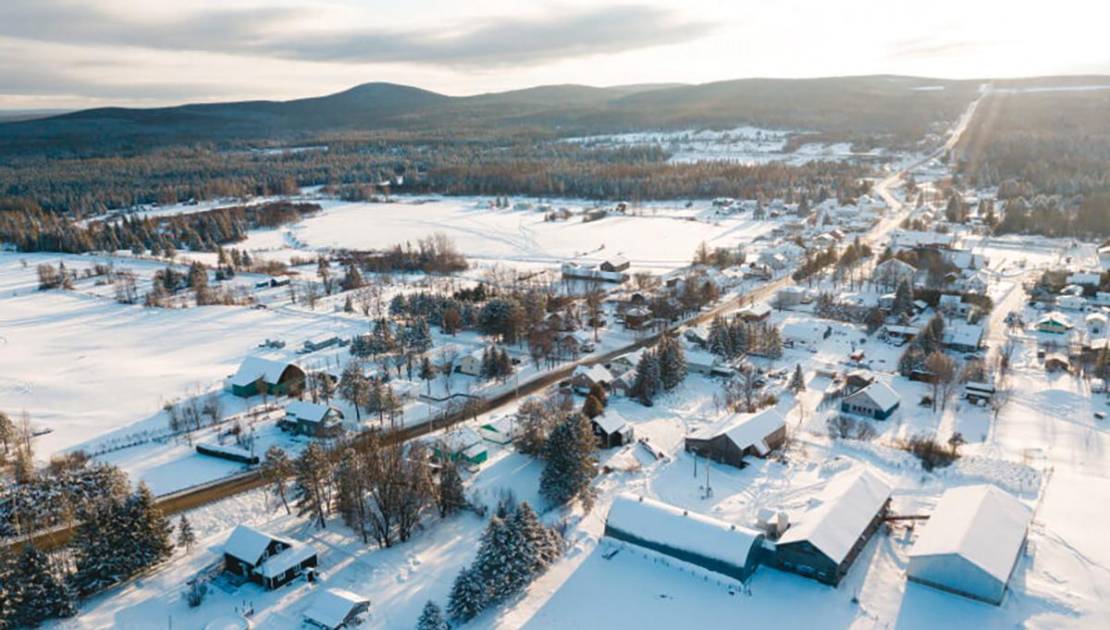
<point x="868" y="406"/>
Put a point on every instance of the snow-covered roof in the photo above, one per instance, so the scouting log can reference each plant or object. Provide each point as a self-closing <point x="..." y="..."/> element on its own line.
<point x="307" y="411"/>
<point x="610" y="422"/>
<point x="880" y="393"/>
<point x="756" y="310"/>
<point x="672" y="526"/>
<point x="1085" y="278"/>
<point x="292" y="556"/>
<point x="752" y="430"/>
<point x="850" y="501"/>
<point x="1055" y="317"/>
<point x="980" y="523"/>
<point x="963" y="334"/>
<point x="331" y="607"/>
<point x="253" y="368"/>
<point x="247" y="543"/>
<point x="802" y="330"/>
<point x="461" y="439"/>
<point x="596" y="373"/>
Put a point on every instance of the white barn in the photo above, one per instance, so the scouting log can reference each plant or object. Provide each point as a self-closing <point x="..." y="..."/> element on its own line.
<point x="971" y="543"/>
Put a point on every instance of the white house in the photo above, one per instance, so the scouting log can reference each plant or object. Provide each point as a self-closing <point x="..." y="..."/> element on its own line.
<point x="877" y="401"/>
<point x="471" y="363"/>
<point x="1072" y="302"/>
<point x="971" y="543"/>
<point x="1096" y="324"/>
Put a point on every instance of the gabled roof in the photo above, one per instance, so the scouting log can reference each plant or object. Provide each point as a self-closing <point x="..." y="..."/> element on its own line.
<point x="850" y="501"/>
<point x="307" y="411"/>
<point x="331" y="607"/>
<point x="981" y="524"/>
<point x="674" y="527"/>
<point x="596" y="373"/>
<point x="247" y="543"/>
<point x="752" y="430"/>
<point x="610" y="422"/>
<point x="293" y="556"/>
<point x="253" y="368"/>
<point x="879" y="393"/>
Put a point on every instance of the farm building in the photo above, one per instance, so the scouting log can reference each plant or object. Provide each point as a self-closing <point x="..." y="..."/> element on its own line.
<point x="748" y="434"/>
<point x="611" y="430"/>
<point x="336" y="608"/>
<point x="828" y="538"/>
<point x="586" y="376"/>
<point x="266" y="559"/>
<point x="877" y="401"/>
<point x="313" y="419"/>
<point x="279" y="378"/>
<point x="697" y="539"/>
<point x="971" y="543"/>
<point x="616" y="264"/>
<point x="321" y="342"/>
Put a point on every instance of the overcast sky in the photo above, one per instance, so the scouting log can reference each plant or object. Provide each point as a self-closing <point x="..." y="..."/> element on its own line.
<point x="81" y="53"/>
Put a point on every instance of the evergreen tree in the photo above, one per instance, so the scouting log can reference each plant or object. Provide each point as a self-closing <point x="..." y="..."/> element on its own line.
<point x="186" y="538"/>
<point x="672" y="362"/>
<point x="420" y="336"/>
<point x="431" y="618"/>
<point x="468" y="595"/>
<point x="570" y="464"/>
<point x="276" y="470"/>
<point x="488" y="369"/>
<point x="903" y="299"/>
<point x="546" y="543"/>
<point x="741" y="337"/>
<point x="450" y="494"/>
<point x="720" y="338"/>
<point x="592" y="407"/>
<point x="36" y="592"/>
<point x="150" y="530"/>
<point x="492" y="564"/>
<point x="427" y="372"/>
<point x="312" y="484"/>
<point x="797" y="381"/>
<point x="648" y="379"/>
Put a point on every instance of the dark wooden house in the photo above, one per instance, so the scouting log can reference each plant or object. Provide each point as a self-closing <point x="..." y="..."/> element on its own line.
<point x="265" y="559"/>
<point x="745" y="435"/>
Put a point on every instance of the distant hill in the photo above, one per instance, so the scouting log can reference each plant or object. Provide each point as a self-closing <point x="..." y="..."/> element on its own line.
<point x="888" y="106"/>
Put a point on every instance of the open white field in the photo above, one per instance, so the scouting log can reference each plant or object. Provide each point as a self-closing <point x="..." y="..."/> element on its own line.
<point x="664" y="237"/>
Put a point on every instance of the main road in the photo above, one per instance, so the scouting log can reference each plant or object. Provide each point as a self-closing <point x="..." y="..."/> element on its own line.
<point x="197" y="496"/>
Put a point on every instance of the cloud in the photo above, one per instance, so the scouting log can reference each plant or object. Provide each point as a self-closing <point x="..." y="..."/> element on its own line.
<point x="272" y="32"/>
<point x="931" y="48"/>
<point x="26" y="80"/>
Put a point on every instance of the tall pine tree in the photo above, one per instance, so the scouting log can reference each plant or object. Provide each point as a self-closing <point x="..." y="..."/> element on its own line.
<point x="569" y="462"/>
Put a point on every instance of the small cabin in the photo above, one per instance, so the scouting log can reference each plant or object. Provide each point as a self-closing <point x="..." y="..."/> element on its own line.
<point x="265" y="559"/>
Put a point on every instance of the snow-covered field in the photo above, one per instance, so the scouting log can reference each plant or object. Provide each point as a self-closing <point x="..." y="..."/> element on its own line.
<point x="748" y="145"/>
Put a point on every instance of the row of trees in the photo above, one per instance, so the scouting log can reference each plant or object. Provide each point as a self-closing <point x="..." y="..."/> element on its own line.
<point x="735" y="338"/>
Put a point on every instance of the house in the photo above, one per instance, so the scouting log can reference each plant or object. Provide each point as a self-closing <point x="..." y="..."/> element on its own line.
<point x="585" y="377"/>
<point x="971" y="543"/>
<point x="269" y="560"/>
<point x="899" y="333"/>
<point x="963" y="337"/>
<point x="1072" y="302"/>
<point x="703" y="541"/>
<point x="1096" y="324"/>
<point x="336" y="608"/>
<point x="700" y="361"/>
<point x="977" y="282"/>
<point x="1085" y="278"/>
<point x="892" y="272"/>
<point x="615" y="264"/>
<point x="743" y="435"/>
<point x="575" y="271"/>
<point x="755" y="313"/>
<point x="877" y="401"/>
<point x="464" y="445"/>
<point x="471" y="363"/>
<point x="572" y="344"/>
<point x="636" y="317"/>
<point x="500" y="430"/>
<point x="313" y="419"/>
<point x="856" y="380"/>
<point x="697" y="335"/>
<point x="949" y="303"/>
<point x="611" y="430"/>
<point x="1055" y="323"/>
<point x="826" y="540"/>
<point x="257" y="375"/>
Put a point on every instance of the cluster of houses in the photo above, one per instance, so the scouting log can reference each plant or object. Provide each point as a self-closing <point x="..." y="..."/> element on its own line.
<point x="970" y="544"/>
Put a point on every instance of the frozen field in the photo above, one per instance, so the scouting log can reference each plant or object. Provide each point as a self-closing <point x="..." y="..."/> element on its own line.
<point x="664" y="238"/>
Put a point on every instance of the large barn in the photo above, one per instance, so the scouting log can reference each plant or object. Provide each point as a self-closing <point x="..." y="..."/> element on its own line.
<point x="700" y="540"/>
<point x="744" y="435"/>
<point x="826" y="540"/>
<point x="278" y="378"/>
<point x="971" y="543"/>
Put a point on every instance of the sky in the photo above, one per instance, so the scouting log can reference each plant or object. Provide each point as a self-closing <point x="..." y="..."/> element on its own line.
<point x="84" y="53"/>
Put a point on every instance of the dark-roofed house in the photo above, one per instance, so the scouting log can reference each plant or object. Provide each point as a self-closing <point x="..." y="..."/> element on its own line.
<point x="264" y="558"/>
<point x="277" y="378"/>
<point x="611" y="430"/>
<point x="314" y="419"/>
<point x="826" y="540"/>
<point x="617" y="263"/>
<point x="877" y="401"/>
<point x="743" y="435"/>
<point x="700" y="540"/>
